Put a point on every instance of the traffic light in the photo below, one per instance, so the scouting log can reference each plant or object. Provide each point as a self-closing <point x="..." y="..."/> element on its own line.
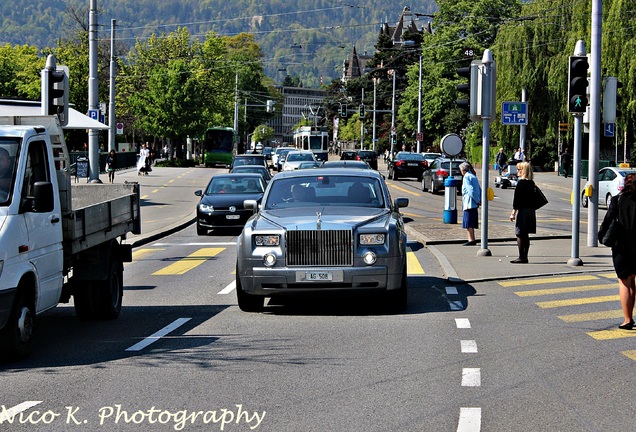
<point x="361" y="111"/>
<point x="577" y="84"/>
<point x="471" y="88"/>
<point x="343" y="110"/>
<point x="611" y="99"/>
<point x="55" y="90"/>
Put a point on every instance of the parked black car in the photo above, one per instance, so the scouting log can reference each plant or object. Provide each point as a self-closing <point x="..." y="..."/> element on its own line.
<point x="348" y="155"/>
<point x="369" y="156"/>
<point x="407" y="164"/>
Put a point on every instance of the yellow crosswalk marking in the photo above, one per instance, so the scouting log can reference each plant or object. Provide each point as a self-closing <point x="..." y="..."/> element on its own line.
<point x="413" y="265"/>
<point x="188" y="263"/>
<point x="577" y="301"/>
<point x="608" y="275"/>
<point x="523" y="282"/>
<point x="592" y="316"/>
<point x="142" y="253"/>
<point x="612" y="334"/>
<point x="533" y="293"/>
<point x="631" y="354"/>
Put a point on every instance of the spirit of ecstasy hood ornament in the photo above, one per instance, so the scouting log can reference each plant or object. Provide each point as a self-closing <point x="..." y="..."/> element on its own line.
<point x="318" y="221"/>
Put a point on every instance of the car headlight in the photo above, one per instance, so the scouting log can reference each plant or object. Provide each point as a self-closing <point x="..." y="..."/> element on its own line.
<point x="372" y="239"/>
<point x="206" y="208"/>
<point x="267" y="240"/>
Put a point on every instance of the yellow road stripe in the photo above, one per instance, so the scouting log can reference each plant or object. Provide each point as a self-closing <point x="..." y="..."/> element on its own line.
<point x="522" y="282"/>
<point x="631" y="354"/>
<point x="144" y="196"/>
<point x="413" y="265"/>
<point x="612" y="334"/>
<point x="141" y="253"/>
<point x="155" y="191"/>
<point x="577" y="302"/>
<point x="592" y="316"/>
<point x="404" y="190"/>
<point x="608" y="275"/>
<point x="188" y="263"/>
<point x="532" y="293"/>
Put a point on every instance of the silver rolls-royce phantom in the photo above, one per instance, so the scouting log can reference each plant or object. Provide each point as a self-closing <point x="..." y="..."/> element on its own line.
<point x="323" y="230"/>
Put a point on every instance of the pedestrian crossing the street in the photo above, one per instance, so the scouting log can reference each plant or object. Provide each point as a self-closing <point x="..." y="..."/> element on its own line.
<point x="591" y="299"/>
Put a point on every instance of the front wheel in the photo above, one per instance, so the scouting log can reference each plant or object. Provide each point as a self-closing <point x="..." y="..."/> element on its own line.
<point x="17" y="334"/>
<point x="608" y="199"/>
<point x="247" y="302"/>
<point x="584" y="200"/>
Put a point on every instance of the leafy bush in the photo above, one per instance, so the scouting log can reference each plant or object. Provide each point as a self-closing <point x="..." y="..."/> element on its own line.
<point x="175" y="163"/>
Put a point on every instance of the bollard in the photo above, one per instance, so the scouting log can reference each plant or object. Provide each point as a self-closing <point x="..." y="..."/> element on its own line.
<point x="450" y="200"/>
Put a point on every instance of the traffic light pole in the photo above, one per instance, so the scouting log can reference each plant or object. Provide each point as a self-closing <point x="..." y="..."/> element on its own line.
<point x="595" y="122"/>
<point x="576" y="190"/>
<point x="488" y="84"/>
<point x="93" y="96"/>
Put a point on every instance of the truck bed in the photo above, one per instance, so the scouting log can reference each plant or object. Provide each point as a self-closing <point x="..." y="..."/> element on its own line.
<point x="100" y="212"/>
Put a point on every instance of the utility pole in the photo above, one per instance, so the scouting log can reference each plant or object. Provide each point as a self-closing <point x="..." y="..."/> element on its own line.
<point x="111" y="94"/>
<point x="419" y="111"/>
<point x="93" y="97"/>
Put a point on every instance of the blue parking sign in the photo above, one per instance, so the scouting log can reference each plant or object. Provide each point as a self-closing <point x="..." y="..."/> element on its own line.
<point x="94" y="114"/>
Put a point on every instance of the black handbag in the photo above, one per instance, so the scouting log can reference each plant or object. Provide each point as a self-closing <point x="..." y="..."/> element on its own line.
<point x="610" y="230"/>
<point x="539" y="199"/>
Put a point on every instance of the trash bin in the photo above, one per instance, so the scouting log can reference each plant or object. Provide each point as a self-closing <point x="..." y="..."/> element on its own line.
<point x="450" y="200"/>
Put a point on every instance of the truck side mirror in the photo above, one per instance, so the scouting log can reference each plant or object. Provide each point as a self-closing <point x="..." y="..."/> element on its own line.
<point x="43" y="197"/>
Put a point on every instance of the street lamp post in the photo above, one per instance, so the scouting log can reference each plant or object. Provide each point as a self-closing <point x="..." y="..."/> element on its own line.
<point x="419" y="111"/>
<point x="393" y="116"/>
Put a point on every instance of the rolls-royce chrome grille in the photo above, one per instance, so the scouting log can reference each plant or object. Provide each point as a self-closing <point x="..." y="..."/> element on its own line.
<point x="320" y="248"/>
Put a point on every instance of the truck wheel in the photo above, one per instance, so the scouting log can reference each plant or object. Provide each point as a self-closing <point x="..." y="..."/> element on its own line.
<point x="247" y="302"/>
<point x="111" y="292"/>
<point x="16" y="336"/>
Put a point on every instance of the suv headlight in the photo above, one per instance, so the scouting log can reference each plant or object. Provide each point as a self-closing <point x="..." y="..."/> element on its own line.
<point x="206" y="208"/>
<point x="267" y="240"/>
<point x="372" y="239"/>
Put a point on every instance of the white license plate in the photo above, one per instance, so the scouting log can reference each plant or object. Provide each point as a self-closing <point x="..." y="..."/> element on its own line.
<point x="232" y="216"/>
<point x="412" y="164"/>
<point x="318" y="276"/>
<point x="458" y="178"/>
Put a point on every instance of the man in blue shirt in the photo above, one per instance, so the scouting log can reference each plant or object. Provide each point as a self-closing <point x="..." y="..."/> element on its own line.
<point x="471" y="200"/>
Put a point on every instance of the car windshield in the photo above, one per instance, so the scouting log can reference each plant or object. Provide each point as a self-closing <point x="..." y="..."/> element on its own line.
<point x="292" y="157"/>
<point x="446" y="164"/>
<point x="248" y="161"/>
<point x="410" y="156"/>
<point x="325" y="190"/>
<point x="8" y="152"/>
<point x="234" y="185"/>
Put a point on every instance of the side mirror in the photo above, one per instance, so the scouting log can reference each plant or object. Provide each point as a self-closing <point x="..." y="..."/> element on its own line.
<point x="198" y="192"/>
<point x="251" y="205"/>
<point x="43" y="197"/>
<point x="401" y="202"/>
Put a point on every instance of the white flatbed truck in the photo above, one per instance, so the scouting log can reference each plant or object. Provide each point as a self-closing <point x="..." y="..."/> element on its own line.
<point x="58" y="239"/>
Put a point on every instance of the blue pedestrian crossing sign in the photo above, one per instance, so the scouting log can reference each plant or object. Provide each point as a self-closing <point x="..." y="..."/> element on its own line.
<point x="514" y="113"/>
<point x="609" y="129"/>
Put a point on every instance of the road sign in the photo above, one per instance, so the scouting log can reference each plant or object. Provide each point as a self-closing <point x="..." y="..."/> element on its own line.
<point x="94" y="114"/>
<point x="514" y="113"/>
<point x="610" y="129"/>
<point x="563" y="127"/>
<point x="120" y="128"/>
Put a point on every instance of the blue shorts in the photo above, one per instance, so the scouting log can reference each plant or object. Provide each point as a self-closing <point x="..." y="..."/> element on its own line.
<point x="470" y="219"/>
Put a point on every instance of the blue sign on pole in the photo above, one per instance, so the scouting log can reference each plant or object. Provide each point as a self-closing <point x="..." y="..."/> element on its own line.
<point x="94" y="114"/>
<point x="514" y="113"/>
<point x="610" y="129"/>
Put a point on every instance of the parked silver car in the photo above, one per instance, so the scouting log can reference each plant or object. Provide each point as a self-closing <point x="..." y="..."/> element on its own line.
<point x="433" y="178"/>
<point x="319" y="231"/>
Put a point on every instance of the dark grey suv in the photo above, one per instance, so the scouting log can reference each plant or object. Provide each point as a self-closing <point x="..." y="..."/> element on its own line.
<point x="369" y="156"/>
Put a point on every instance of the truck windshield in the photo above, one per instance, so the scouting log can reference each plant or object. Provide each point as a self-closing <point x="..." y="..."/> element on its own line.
<point x="8" y="152"/>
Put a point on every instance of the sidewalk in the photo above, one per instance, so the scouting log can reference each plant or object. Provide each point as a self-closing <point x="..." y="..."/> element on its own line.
<point x="550" y="250"/>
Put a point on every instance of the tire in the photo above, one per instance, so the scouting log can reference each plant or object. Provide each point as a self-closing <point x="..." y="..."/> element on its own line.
<point x="584" y="200"/>
<point x="432" y="189"/>
<point x="398" y="299"/>
<point x="99" y="299"/>
<point x="395" y="175"/>
<point x="424" y="189"/>
<point x="111" y="292"/>
<point x="608" y="198"/>
<point x="247" y="302"/>
<point x="17" y="335"/>
<point x="201" y="231"/>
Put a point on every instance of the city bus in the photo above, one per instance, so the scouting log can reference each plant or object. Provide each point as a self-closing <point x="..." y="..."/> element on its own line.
<point x="219" y="146"/>
<point x="313" y="138"/>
